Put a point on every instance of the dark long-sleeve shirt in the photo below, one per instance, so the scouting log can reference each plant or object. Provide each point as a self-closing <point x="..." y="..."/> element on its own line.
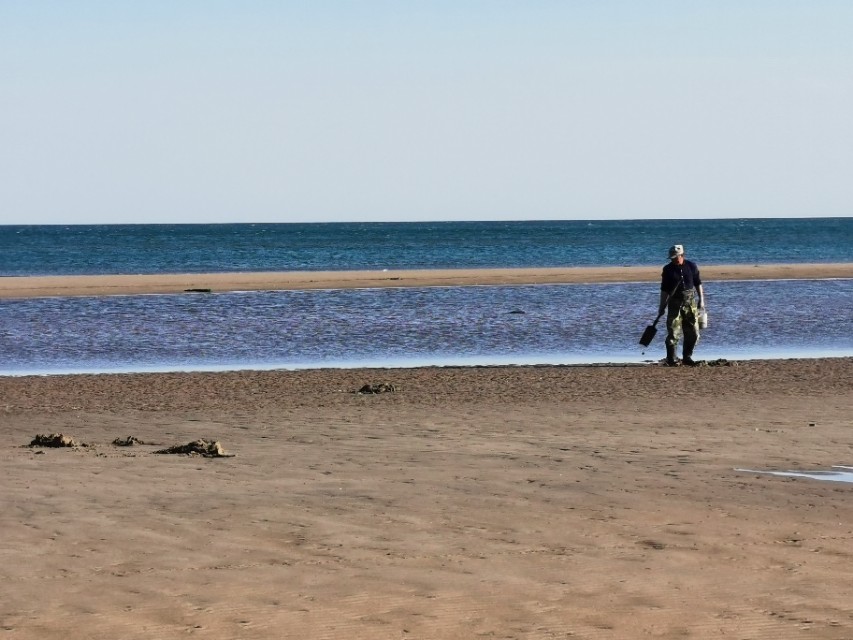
<point x="680" y="277"/>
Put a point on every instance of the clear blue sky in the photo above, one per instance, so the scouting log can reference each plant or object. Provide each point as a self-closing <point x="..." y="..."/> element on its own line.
<point x="316" y="110"/>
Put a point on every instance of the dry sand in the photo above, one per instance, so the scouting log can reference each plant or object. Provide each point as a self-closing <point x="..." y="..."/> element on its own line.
<point x="494" y="502"/>
<point x="26" y="287"/>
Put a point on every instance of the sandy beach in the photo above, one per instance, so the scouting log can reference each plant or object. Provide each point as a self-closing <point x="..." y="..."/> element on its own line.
<point x="44" y="286"/>
<point x="492" y="502"/>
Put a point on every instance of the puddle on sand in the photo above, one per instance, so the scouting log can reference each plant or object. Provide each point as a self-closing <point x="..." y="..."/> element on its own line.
<point x="833" y="476"/>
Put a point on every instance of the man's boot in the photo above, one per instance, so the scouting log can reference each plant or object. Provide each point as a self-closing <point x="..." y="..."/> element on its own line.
<point x="689" y="344"/>
<point x="670" y="355"/>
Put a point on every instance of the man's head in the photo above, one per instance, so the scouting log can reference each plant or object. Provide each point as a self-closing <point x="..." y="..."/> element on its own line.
<point x="676" y="251"/>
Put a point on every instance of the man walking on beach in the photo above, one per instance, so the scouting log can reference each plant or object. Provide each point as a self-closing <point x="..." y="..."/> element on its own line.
<point x="681" y="296"/>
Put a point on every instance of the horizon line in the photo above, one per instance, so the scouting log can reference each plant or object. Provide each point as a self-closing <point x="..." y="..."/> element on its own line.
<point x="418" y="221"/>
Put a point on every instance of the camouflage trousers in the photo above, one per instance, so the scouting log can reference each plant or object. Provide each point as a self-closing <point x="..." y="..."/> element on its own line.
<point x="682" y="318"/>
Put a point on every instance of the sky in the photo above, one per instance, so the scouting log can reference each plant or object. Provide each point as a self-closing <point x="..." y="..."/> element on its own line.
<point x="119" y="111"/>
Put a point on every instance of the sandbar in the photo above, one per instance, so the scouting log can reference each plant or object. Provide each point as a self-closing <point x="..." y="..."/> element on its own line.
<point x="125" y="284"/>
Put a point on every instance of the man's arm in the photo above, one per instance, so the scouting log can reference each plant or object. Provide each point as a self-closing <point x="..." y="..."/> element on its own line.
<point x="664" y="292"/>
<point x="699" y="290"/>
<point x="664" y="297"/>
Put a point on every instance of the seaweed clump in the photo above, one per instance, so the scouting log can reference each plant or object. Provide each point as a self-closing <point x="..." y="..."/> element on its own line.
<point x="204" y="448"/>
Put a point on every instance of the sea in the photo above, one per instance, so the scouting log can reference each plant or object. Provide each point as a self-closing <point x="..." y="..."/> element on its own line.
<point x="403" y="327"/>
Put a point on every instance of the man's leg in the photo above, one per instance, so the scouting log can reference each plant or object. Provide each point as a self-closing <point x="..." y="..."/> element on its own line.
<point x="690" y="326"/>
<point x="673" y="332"/>
<point x="671" y="360"/>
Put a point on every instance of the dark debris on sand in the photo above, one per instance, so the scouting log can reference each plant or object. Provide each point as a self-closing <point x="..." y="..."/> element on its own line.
<point x="55" y="440"/>
<point x="377" y="388"/>
<point x="204" y="448"/>
<point x="720" y="362"/>
<point x="129" y="441"/>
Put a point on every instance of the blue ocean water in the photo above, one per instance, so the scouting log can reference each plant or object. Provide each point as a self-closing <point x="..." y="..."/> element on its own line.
<point x="553" y="324"/>
<point x="112" y="249"/>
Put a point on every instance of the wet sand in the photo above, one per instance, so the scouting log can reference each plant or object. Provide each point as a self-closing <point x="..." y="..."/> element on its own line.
<point x="485" y="502"/>
<point x="44" y="286"/>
